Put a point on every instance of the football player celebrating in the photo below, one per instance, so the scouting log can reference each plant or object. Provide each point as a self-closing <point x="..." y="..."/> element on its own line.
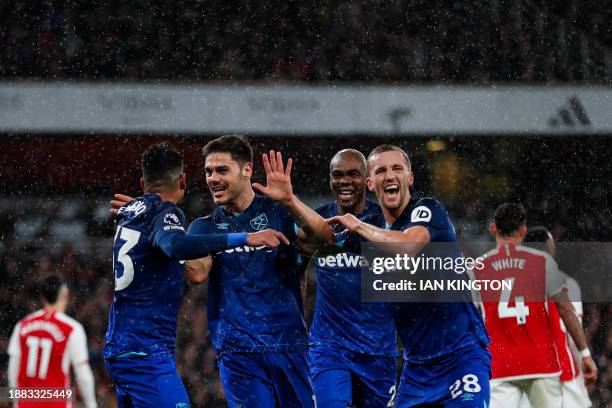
<point x="353" y="343"/>
<point x="445" y="343"/>
<point x="255" y="312"/>
<point x="150" y="244"/>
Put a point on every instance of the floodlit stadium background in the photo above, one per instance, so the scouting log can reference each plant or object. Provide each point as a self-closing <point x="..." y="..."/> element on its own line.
<point x="494" y="101"/>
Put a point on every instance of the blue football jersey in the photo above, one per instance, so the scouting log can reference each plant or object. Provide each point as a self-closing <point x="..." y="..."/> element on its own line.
<point x="148" y="284"/>
<point x="254" y="301"/>
<point x="340" y="317"/>
<point x="432" y="329"/>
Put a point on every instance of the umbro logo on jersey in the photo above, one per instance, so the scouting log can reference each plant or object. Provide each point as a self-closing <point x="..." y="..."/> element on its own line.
<point x="420" y="214"/>
<point x="467" y="397"/>
<point x="571" y="114"/>
<point x="259" y="223"/>
<point x="222" y="225"/>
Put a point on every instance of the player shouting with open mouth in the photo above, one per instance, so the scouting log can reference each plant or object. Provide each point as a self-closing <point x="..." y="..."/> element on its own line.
<point x="445" y="343"/>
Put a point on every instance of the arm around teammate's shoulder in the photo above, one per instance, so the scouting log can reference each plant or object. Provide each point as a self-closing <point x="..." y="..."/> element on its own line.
<point x="170" y="236"/>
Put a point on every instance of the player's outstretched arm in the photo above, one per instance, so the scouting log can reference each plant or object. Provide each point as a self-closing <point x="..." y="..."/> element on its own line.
<point x="197" y="270"/>
<point x="177" y="244"/>
<point x="574" y="328"/>
<point x="267" y="238"/>
<point x="278" y="187"/>
<point x="409" y="241"/>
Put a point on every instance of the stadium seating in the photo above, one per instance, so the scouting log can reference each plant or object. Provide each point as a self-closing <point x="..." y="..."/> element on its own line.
<point x="477" y="42"/>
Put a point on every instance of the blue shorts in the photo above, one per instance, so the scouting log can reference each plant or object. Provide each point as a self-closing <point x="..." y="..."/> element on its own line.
<point x="343" y="378"/>
<point x="460" y="380"/>
<point x="147" y="381"/>
<point x="266" y="379"/>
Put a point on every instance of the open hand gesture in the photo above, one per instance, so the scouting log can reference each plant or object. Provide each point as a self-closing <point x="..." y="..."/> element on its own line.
<point x="278" y="178"/>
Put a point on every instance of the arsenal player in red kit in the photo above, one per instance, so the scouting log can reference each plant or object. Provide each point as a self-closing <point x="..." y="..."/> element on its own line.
<point x="575" y="394"/>
<point x="524" y="357"/>
<point x="43" y="346"/>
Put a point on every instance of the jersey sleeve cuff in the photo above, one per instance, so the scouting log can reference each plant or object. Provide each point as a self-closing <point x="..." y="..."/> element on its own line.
<point x="235" y="239"/>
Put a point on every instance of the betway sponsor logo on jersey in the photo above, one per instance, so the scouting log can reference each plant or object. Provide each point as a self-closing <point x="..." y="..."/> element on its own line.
<point x="342" y="260"/>
<point x="245" y="248"/>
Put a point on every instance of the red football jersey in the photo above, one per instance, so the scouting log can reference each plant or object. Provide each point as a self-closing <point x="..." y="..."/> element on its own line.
<point x="569" y="368"/>
<point x="46" y="344"/>
<point x="522" y="339"/>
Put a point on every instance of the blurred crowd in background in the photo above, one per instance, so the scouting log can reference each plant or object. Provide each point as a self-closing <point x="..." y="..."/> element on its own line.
<point x="47" y="227"/>
<point x="474" y="42"/>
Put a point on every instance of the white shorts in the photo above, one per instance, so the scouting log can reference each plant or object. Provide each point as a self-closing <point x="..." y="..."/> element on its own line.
<point x="535" y="392"/>
<point x="575" y="394"/>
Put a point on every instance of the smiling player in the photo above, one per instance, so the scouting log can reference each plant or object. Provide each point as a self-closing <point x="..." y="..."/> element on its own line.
<point x="445" y="343"/>
<point x="254" y="305"/>
<point x="353" y="343"/>
<point x="150" y="244"/>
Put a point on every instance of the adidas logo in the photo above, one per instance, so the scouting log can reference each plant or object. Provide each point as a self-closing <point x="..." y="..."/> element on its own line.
<point x="570" y="115"/>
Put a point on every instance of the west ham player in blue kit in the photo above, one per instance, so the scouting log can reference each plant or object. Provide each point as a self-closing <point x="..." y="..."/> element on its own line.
<point x="352" y="356"/>
<point x="445" y="344"/>
<point x="150" y="243"/>
<point x="254" y="306"/>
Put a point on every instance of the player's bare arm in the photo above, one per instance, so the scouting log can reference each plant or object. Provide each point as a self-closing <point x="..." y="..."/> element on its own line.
<point x="306" y="244"/>
<point x="574" y="328"/>
<point x="197" y="270"/>
<point x="412" y="239"/>
<point x="310" y="246"/>
<point x="278" y="188"/>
